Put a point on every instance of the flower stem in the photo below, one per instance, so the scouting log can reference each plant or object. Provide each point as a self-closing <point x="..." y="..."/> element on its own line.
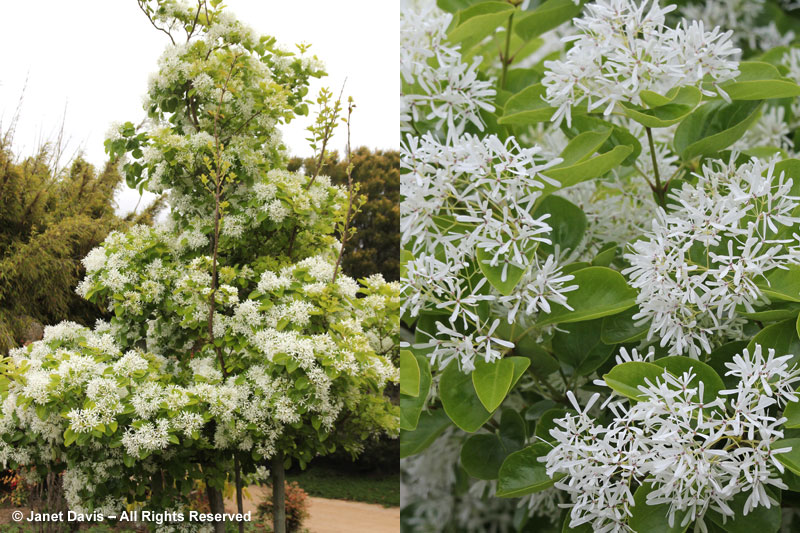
<point x="506" y="60"/>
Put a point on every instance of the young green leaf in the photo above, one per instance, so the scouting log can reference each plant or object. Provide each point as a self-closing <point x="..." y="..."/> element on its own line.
<point x="411" y="406"/>
<point x="492" y="381"/>
<point x="409" y="374"/>
<point x="460" y="401"/>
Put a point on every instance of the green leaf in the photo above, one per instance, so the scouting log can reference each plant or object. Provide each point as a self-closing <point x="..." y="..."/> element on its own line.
<point x="453" y="6"/>
<point x="792" y="413"/>
<point x="513" y="430"/>
<point x="606" y="255"/>
<point x="522" y="473"/>
<point x="578" y="345"/>
<point x="586" y="170"/>
<point x="760" y="519"/>
<point x="775" y="312"/>
<point x="519" y="79"/>
<point x="480" y="20"/>
<point x="567" y="220"/>
<point x="586" y="527"/>
<point x="678" y="364"/>
<point x="619" y="136"/>
<point x="790" y="168"/>
<point x="724" y="354"/>
<point x="544" y="18"/>
<point x="713" y="127"/>
<point x="760" y="81"/>
<point x="790" y="460"/>
<point x="431" y="425"/>
<point x="546" y="423"/>
<point x="492" y="381"/>
<point x="601" y="292"/>
<point x="426" y="325"/>
<point x="781" y="337"/>
<point x="69" y="436"/>
<point x="622" y="327"/>
<point x="411" y="406"/>
<point x="782" y="284"/>
<point x="460" y="401"/>
<point x="521" y="364"/>
<point x="670" y="110"/>
<point x="482" y="456"/>
<point x="653" y="518"/>
<point x="527" y="107"/>
<point x="409" y="374"/>
<point x="581" y="147"/>
<point x="542" y="363"/>
<point x="626" y="378"/>
<point x="502" y="277"/>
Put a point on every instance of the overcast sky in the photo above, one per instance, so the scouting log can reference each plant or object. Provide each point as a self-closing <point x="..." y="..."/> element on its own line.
<point x="93" y="58"/>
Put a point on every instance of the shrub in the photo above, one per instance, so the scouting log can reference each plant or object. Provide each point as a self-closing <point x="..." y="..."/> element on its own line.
<point x="296" y="507"/>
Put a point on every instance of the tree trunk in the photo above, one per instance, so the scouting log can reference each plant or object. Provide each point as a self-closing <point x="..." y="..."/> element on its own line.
<point x="239" y="503"/>
<point x="217" y="505"/>
<point x="278" y="494"/>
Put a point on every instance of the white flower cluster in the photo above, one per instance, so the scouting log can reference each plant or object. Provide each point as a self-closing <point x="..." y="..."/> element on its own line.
<point x="624" y="47"/>
<point x="498" y="183"/>
<point x="704" y="257"/>
<point x="741" y="17"/>
<point x="451" y="94"/>
<point x="695" y="454"/>
<point x="466" y="197"/>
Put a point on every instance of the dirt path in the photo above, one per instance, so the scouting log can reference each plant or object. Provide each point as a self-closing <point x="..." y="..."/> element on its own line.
<point x="334" y="516"/>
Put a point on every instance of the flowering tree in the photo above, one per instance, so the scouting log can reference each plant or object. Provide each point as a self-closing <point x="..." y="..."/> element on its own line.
<point x="234" y="342"/>
<point x="599" y="200"/>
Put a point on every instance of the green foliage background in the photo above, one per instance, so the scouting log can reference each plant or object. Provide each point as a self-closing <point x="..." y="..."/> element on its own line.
<point x="48" y="222"/>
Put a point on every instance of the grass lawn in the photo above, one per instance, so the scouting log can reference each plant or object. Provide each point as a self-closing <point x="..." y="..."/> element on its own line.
<point x="340" y="484"/>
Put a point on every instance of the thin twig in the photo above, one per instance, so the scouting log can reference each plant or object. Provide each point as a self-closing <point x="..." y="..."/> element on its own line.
<point x="350" y="107"/>
<point x="141" y="6"/>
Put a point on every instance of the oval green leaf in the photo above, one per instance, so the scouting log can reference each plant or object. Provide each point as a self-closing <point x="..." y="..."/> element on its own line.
<point x="409" y="374"/>
<point x="626" y="378"/>
<point x="653" y="518"/>
<point x="622" y="327"/>
<point x="411" y="406"/>
<point x="678" y="364"/>
<point x="601" y="292"/>
<point x="522" y="473"/>
<point x="492" y="381"/>
<point x="567" y="220"/>
<point x="547" y="16"/>
<point x="782" y="284"/>
<point x="586" y="170"/>
<point x="781" y="337"/>
<point x="431" y="425"/>
<point x="714" y="126"/>
<point x="482" y="456"/>
<point x="460" y="401"/>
